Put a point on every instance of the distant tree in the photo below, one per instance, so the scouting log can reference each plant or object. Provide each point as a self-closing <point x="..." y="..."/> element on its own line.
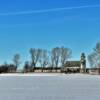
<point x="35" y="56"/>
<point x="44" y="59"/>
<point x="27" y="67"/>
<point x="16" y="60"/>
<point x="11" y="68"/>
<point x="97" y="48"/>
<point x="65" y="55"/>
<point x="52" y="59"/>
<point x="94" y="57"/>
<point x="4" y="68"/>
<point x="55" y="57"/>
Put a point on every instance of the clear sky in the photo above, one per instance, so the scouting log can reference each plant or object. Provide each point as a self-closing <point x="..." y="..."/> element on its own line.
<point x="26" y="24"/>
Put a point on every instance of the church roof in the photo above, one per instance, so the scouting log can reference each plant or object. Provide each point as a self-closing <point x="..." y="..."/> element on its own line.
<point x="72" y="64"/>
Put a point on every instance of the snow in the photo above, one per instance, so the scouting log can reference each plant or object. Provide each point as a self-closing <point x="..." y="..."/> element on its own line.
<point x="32" y="74"/>
<point x="49" y="87"/>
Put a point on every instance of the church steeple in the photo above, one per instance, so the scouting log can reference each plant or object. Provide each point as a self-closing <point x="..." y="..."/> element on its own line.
<point x="83" y="63"/>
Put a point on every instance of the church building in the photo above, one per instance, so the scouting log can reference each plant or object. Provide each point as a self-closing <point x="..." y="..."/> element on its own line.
<point x="75" y="66"/>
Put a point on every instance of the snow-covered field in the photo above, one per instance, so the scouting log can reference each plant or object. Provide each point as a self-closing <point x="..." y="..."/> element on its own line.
<point x="49" y="87"/>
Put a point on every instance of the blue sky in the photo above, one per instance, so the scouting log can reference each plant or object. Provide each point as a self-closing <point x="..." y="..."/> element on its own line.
<point x="35" y="23"/>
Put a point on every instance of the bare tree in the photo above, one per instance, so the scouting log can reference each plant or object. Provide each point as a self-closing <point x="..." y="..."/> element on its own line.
<point x="97" y="48"/>
<point x="27" y="67"/>
<point x="55" y="57"/>
<point x="91" y="59"/>
<point x="65" y="55"/>
<point x="35" y="56"/>
<point x="16" y="60"/>
<point x="52" y="59"/>
<point x="44" y="60"/>
<point x="94" y="57"/>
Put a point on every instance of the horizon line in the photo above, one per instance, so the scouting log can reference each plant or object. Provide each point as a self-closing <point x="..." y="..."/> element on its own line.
<point x="47" y="10"/>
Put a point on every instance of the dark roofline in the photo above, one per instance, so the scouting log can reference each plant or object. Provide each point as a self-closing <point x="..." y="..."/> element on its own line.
<point x="72" y="64"/>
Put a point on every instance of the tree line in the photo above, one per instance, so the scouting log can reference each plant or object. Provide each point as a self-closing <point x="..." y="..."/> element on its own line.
<point x="55" y="59"/>
<point x="40" y="59"/>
